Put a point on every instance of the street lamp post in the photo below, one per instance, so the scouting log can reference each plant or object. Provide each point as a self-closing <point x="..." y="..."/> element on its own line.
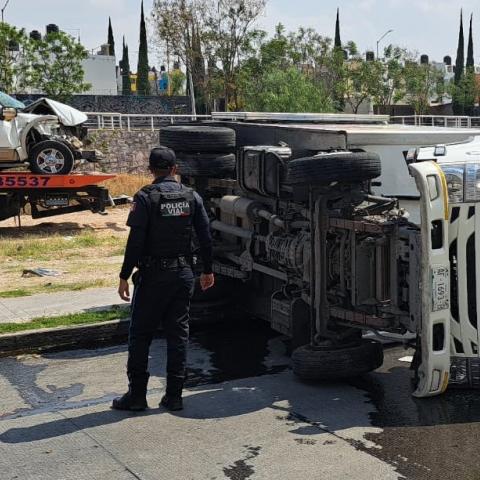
<point x="3" y="9"/>
<point x="381" y="38"/>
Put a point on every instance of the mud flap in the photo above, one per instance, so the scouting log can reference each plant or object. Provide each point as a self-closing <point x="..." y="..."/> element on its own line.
<point x="434" y="329"/>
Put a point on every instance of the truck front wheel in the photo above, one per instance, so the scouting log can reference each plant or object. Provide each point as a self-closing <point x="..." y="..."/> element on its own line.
<point x="51" y="158"/>
<point x="322" y="363"/>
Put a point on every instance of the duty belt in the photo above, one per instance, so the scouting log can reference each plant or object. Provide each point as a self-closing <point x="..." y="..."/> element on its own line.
<point x="167" y="263"/>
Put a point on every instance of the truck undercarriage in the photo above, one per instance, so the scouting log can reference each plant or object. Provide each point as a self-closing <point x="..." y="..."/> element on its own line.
<point x="314" y="252"/>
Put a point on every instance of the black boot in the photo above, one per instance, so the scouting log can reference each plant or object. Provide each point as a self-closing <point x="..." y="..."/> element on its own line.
<point x="135" y="399"/>
<point x="172" y="400"/>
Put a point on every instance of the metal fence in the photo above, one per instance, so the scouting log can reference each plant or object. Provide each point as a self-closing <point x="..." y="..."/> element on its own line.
<point x="123" y="121"/>
<point x="437" y="121"/>
<point x="134" y="121"/>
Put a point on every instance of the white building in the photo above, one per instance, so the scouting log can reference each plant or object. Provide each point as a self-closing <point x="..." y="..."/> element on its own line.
<point x="100" y="72"/>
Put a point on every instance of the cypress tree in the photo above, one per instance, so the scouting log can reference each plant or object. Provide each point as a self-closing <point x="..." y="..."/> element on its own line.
<point x="143" y="85"/>
<point x="470" y="61"/>
<point x="469" y="83"/>
<point x="125" y="71"/>
<point x="338" y="41"/>
<point x="111" y="39"/>
<point x="458" y="100"/>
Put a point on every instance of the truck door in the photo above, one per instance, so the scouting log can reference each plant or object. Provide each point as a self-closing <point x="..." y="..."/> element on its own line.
<point x="434" y="328"/>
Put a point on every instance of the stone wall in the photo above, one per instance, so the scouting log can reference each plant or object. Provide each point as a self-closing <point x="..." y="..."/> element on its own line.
<point x="125" y="152"/>
<point x="124" y="104"/>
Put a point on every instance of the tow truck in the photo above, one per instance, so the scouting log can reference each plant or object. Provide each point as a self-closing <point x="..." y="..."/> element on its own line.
<point x="50" y="195"/>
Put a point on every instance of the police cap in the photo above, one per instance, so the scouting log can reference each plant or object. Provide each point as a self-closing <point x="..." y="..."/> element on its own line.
<point x="162" y="158"/>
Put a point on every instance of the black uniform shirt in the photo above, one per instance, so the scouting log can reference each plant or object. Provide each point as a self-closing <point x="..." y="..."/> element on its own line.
<point x="138" y="223"/>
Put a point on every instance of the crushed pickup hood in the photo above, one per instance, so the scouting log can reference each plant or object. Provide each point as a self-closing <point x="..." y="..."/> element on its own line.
<point x="67" y="116"/>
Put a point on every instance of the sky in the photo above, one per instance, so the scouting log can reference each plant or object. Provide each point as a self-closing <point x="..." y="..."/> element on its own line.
<point x="425" y="26"/>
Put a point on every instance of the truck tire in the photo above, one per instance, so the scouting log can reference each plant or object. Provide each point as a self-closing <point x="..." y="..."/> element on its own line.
<point x="214" y="165"/>
<point x="325" y="168"/>
<point x="198" y="139"/>
<point x="51" y="158"/>
<point x="313" y="363"/>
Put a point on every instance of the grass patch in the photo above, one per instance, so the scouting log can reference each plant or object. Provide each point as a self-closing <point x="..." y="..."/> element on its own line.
<point x="84" y="318"/>
<point x="127" y="184"/>
<point x="42" y="248"/>
<point x="20" y="292"/>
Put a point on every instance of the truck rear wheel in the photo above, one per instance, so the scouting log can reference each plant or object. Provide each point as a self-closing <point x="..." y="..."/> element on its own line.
<point x="198" y="139"/>
<point x="51" y="158"/>
<point x="325" y="168"/>
<point x="319" y="363"/>
<point x="213" y="165"/>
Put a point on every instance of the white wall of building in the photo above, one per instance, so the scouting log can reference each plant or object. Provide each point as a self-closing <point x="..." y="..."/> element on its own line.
<point x="100" y="72"/>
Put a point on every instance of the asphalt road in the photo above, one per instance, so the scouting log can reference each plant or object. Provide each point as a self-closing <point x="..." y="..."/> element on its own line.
<point x="246" y="417"/>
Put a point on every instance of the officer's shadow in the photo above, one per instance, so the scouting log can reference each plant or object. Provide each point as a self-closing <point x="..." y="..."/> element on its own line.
<point x="291" y="400"/>
<point x="198" y="405"/>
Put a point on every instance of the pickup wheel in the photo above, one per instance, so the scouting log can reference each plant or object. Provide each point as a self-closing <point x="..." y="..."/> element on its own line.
<point x="198" y="139"/>
<point x="325" y="168"/>
<point x="318" y="363"/>
<point x="51" y="158"/>
<point x="213" y="165"/>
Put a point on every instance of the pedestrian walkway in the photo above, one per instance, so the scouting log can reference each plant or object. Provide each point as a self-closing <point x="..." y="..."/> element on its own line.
<point x="23" y="309"/>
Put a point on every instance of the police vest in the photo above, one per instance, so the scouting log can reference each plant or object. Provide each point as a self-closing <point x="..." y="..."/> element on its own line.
<point x="170" y="222"/>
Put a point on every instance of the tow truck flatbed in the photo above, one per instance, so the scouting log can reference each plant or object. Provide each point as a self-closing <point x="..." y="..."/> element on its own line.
<point x="23" y="180"/>
<point x="50" y="195"/>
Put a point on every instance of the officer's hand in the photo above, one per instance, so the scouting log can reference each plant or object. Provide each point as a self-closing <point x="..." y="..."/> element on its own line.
<point x="124" y="290"/>
<point x="207" y="280"/>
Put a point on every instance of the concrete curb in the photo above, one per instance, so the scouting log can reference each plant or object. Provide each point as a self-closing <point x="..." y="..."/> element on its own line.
<point x="59" y="337"/>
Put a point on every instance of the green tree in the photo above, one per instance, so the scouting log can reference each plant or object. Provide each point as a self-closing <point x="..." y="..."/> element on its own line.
<point x="228" y="24"/>
<point x="12" y="61"/>
<point x="111" y="38"/>
<point x="423" y="82"/>
<point x="55" y="66"/>
<point x="390" y="77"/>
<point x="125" y="71"/>
<point x="361" y="81"/>
<point x="469" y="85"/>
<point x="177" y="81"/>
<point x="143" y="84"/>
<point x="458" y="103"/>
<point x="338" y="41"/>
<point x="287" y="90"/>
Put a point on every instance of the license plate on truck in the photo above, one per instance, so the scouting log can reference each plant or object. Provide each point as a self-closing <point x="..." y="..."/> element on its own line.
<point x="53" y="200"/>
<point x="440" y="288"/>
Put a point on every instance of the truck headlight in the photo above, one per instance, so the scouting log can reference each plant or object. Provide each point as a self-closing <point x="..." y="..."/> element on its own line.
<point x="463" y="182"/>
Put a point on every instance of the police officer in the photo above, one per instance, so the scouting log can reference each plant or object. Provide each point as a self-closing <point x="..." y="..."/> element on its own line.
<point x="161" y="220"/>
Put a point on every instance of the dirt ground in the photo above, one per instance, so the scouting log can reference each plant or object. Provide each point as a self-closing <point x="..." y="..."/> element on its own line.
<point x="86" y="248"/>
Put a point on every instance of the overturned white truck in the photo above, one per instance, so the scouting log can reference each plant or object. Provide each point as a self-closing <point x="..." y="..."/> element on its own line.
<point x="311" y="227"/>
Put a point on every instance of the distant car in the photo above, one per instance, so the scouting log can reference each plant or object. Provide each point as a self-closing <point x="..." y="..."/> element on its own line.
<point x="46" y="136"/>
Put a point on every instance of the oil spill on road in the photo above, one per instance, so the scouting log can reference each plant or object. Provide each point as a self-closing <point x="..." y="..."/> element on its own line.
<point x="239" y="350"/>
<point x="426" y="438"/>
<point x="240" y="469"/>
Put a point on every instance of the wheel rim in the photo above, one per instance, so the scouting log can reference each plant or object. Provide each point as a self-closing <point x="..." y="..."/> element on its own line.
<point x="50" y="160"/>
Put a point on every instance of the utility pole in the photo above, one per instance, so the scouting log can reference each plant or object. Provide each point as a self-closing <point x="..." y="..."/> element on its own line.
<point x="3" y="9"/>
<point x="381" y="38"/>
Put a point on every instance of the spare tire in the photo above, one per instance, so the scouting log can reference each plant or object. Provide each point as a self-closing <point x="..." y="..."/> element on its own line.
<point x="212" y="165"/>
<point x="314" y="363"/>
<point x="325" y="168"/>
<point x="198" y="139"/>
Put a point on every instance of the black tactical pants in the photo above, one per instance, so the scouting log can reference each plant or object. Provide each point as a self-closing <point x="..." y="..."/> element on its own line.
<point x="160" y="297"/>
